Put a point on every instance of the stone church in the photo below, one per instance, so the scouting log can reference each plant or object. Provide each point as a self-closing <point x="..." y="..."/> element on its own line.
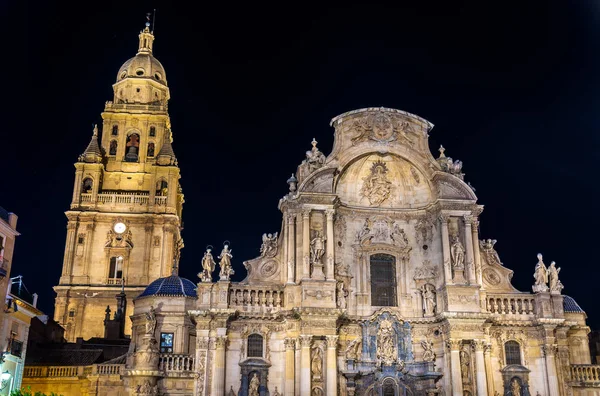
<point x="377" y="283"/>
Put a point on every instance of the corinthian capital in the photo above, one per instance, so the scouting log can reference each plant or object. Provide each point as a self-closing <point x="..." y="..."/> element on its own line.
<point x="479" y="345"/>
<point x="443" y="218"/>
<point x="305" y="213"/>
<point x="469" y="220"/>
<point x="305" y="341"/>
<point x="453" y="345"/>
<point x="221" y="341"/>
<point x="290" y="343"/>
<point x="332" y="341"/>
<point x="329" y="213"/>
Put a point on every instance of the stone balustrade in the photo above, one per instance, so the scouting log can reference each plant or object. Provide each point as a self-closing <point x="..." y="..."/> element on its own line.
<point x="72" y="371"/>
<point x="255" y="298"/>
<point x="511" y="304"/>
<point x="138" y="106"/>
<point x="175" y="363"/>
<point x="586" y="374"/>
<point x="116" y="198"/>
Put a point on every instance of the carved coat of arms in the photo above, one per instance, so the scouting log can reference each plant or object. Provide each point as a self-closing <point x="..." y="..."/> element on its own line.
<point x="377" y="188"/>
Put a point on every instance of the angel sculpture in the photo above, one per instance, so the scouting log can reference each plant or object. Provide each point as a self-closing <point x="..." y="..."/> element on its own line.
<point x="269" y="245"/>
<point x="428" y="354"/>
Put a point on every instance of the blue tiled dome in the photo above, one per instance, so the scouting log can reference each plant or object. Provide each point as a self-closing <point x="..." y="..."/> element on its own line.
<point x="171" y="286"/>
<point x="570" y="305"/>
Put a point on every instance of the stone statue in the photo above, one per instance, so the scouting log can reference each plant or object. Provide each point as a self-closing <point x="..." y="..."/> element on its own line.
<point x="429" y="303"/>
<point x="386" y="342"/>
<point x="151" y="321"/>
<point x="491" y="255"/>
<point x="457" y="252"/>
<point x="254" y="384"/>
<point x="399" y="236"/>
<point x="376" y="187"/>
<point x="353" y="351"/>
<point x="515" y="387"/>
<point x="269" y="245"/>
<point x="315" y="159"/>
<point x="225" y="263"/>
<point x="208" y="266"/>
<point x="540" y="275"/>
<point x="316" y="364"/>
<point x="465" y="363"/>
<point x="317" y="248"/>
<point x="428" y="354"/>
<point x="365" y="231"/>
<point x="555" y="285"/>
<point x="341" y="296"/>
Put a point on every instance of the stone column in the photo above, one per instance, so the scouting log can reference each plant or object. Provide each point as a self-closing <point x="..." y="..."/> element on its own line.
<point x="475" y="237"/>
<point x="457" y="388"/>
<point x="291" y="250"/>
<point x="290" y="360"/>
<point x="305" y="341"/>
<point x="549" y="351"/>
<point x="218" y="385"/>
<point x="446" y="248"/>
<point x="77" y="186"/>
<point x="330" y="246"/>
<point x="469" y="256"/>
<point x="331" y="389"/>
<point x="480" y="369"/>
<point x="306" y="244"/>
<point x="488" y="368"/>
<point x="69" y="248"/>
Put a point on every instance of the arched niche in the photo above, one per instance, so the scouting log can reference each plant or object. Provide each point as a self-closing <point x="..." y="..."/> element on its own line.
<point x="383" y="181"/>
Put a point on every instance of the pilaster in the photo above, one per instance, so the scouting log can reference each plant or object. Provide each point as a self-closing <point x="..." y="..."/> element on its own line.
<point x="331" y="387"/>
<point x="446" y="248"/>
<point x="305" y="343"/>
<point x="330" y="245"/>
<point x="454" y="346"/>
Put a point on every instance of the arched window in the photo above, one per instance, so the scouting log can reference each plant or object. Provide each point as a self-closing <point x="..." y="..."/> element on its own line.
<point x="116" y="268"/>
<point x="512" y="350"/>
<point x="162" y="188"/>
<point x="115" y="130"/>
<point x="255" y="345"/>
<point x="132" y="147"/>
<point x="113" y="148"/>
<point x="87" y="185"/>
<point x="152" y="131"/>
<point x="389" y="387"/>
<point x="150" y="149"/>
<point x="383" y="280"/>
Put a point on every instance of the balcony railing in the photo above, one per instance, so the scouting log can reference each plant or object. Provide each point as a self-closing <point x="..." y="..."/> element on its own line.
<point x="255" y="298"/>
<point x="131" y="106"/>
<point x="176" y="363"/>
<point x="139" y="198"/>
<point x="73" y="371"/>
<point x="586" y="374"/>
<point x="510" y="304"/>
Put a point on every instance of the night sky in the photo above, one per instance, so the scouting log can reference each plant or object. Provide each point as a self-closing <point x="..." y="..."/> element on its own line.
<point x="512" y="88"/>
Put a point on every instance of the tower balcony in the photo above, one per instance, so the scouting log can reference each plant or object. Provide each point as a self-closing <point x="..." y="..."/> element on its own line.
<point x="139" y="201"/>
<point x="138" y="107"/>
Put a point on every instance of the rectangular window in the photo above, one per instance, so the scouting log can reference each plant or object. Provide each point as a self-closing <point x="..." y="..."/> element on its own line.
<point x="16" y="348"/>
<point x="166" y="342"/>
<point x="383" y="280"/>
<point x="80" y="240"/>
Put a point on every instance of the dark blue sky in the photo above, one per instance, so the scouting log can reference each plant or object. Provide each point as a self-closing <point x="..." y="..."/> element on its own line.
<point x="512" y="88"/>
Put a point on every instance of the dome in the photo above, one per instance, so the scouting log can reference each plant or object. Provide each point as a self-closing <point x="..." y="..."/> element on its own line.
<point x="170" y="286"/>
<point x="143" y="65"/>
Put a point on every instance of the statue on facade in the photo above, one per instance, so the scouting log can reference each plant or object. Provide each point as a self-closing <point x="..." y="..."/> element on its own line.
<point x="151" y="321"/>
<point x="428" y="354"/>
<point x="465" y="364"/>
<point x="254" y="384"/>
<point x="315" y="159"/>
<point x="555" y="284"/>
<point x="457" y="252"/>
<point x="399" y="236"/>
<point x="376" y="187"/>
<point x="515" y="387"/>
<point x="491" y="255"/>
<point x="429" y="303"/>
<point x="225" y="263"/>
<point x="317" y="248"/>
<point x="540" y="275"/>
<point x="354" y="351"/>
<point x="316" y="364"/>
<point x="269" y="245"/>
<point x="208" y="266"/>
<point x="341" y="296"/>
<point x="365" y="231"/>
<point x="386" y="342"/>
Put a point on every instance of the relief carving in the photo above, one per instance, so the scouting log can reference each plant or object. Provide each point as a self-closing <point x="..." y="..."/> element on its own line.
<point x="269" y="245"/>
<point x="377" y="188"/>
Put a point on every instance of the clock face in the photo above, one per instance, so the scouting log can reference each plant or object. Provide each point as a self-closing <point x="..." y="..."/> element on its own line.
<point x="119" y="228"/>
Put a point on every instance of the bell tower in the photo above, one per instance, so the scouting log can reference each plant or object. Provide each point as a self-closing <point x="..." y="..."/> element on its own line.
<point x="124" y="221"/>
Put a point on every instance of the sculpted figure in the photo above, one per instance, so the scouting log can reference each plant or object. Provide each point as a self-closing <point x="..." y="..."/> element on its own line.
<point x="540" y="275"/>
<point x="399" y="236"/>
<point x="317" y="248"/>
<point x="365" y="231"/>
<point x="457" y="253"/>
<point x="353" y="351"/>
<point x="515" y="387"/>
<point x="553" y="277"/>
<point x="269" y="245"/>
<point x="386" y="342"/>
<point x="341" y="295"/>
<point x="429" y="302"/>
<point x="151" y="321"/>
<point x="491" y="254"/>
<point x="316" y="364"/>
<point x="225" y="263"/>
<point x="314" y="158"/>
<point x="428" y="354"/>
<point x="376" y="187"/>
<point x="254" y="384"/>
<point x="208" y="266"/>
<point x="465" y="363"/>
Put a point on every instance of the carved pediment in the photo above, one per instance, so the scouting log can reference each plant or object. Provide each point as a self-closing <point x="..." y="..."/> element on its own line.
<point x="321" y="181"/>
<point x="449" y="187"/>
<point x="262" y="270"/>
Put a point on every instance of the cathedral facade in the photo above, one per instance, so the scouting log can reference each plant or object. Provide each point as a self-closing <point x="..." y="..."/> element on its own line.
<point x="377" y="282"/>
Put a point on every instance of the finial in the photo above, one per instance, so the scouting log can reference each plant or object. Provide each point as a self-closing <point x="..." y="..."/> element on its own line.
<point x="292" y="182"/>
<point x="539" y="256"/>
<point x="441" y="150"/>
<point x="148" y="20"/>
<point x="95" y="129"/>
<point x="314" y="144"/>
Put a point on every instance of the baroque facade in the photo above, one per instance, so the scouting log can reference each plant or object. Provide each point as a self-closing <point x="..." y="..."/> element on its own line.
<point x="377" y="283"/>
